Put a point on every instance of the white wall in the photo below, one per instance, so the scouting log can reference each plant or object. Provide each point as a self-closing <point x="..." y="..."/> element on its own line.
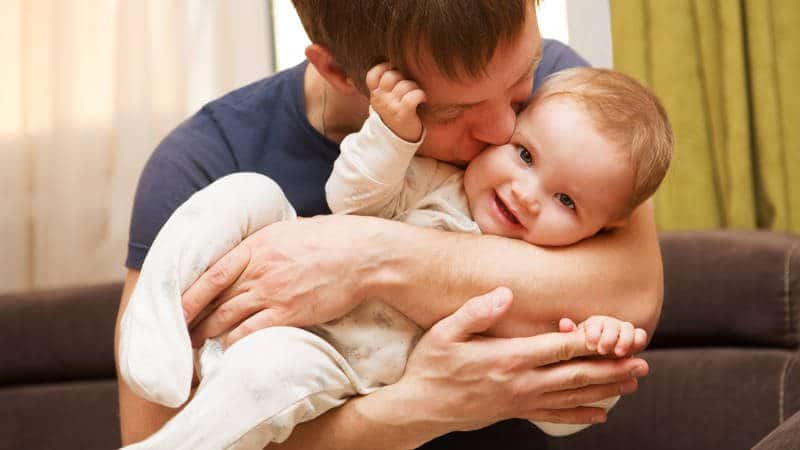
<point x="589" y="25"/>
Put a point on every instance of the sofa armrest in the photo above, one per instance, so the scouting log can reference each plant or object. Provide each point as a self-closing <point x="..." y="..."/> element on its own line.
<point x="58" y="335"/>
<point x="724" y="288"/>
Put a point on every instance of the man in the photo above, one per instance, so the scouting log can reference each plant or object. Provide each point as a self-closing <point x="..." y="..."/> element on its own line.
<point x="476" y="62"/>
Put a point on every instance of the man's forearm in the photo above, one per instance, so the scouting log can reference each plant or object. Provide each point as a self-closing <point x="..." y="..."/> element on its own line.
<point x="138" y="417"/>
<point x="378" y="420"/>
<point x="617" y="274"/>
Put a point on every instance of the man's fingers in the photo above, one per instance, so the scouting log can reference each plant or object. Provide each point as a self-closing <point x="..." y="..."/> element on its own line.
<point x="475" y="316"/>
<point x="263" y="319"/>
<point x="578" y="416"/>
<point x="583" y="396"/>
<point x="579" y="374"/>
<point x="549" y="348"/>
<point x="225" y="317"/>
<point x="216" y="279"/>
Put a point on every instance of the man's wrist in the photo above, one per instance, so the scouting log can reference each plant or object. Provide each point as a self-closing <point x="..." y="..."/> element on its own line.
<point x="400" y="417"/>
<point x="383" y="258"/>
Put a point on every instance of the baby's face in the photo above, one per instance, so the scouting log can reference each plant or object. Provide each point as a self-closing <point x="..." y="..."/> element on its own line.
<point x="556" y="182"/>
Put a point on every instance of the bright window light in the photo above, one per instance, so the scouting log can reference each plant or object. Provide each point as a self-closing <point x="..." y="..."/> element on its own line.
<point x="552" y="18"/>
<point x="290" y="37"/>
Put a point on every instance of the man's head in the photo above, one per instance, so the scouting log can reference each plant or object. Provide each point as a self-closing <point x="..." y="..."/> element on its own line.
<point x="592" y="145"/>
<point x="474" y="58"/>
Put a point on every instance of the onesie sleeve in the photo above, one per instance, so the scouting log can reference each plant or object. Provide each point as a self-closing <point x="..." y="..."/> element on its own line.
<point x="374" y="174"/>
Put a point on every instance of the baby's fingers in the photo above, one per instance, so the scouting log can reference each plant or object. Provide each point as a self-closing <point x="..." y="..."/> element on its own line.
<point x="566" y="325"/>
<point x="389" y="79"/>
<point x="639" y="341"/>
<point x="594" y="330"/>
<point x="625" y="339"/>
<point x="374" y="75"/>
<point x="609" y="338"/>
<point x="413" y="99"/>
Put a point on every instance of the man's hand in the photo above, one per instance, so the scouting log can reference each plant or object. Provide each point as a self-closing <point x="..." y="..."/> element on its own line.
<point x="295" y="273"/>
<point x="465" y="381"/>
<point x="395" y="99"/>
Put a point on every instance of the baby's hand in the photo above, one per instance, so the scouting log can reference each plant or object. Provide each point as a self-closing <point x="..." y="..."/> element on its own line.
<point x="395" y="99"/>
<point x="606" y="334"/>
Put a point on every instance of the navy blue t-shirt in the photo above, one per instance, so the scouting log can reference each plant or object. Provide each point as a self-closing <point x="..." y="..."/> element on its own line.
<point x="260" y="128"/>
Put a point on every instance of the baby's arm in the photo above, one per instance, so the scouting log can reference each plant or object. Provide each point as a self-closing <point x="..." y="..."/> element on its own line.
<point x="369" y="177"/>
<point x="609" y="335"/>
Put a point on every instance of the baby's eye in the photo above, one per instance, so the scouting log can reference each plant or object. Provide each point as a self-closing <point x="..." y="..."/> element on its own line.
<point x="565" y="200"/>
<point x="525" y="156"/>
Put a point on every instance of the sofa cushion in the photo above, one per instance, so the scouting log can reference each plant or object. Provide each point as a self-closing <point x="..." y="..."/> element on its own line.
<point x="58" y="335"/>
<point x="73" y="415"/>
<point x="730" y="288"/>
<point x="704" y="398"/>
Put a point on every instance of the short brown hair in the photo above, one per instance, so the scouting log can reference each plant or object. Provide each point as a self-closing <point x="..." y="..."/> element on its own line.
<point x="461" y="35"/>
<point x="628" y="114"/>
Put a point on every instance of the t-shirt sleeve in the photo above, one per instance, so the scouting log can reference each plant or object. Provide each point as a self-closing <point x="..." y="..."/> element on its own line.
<point x="556" y="56"/>
<point x="187" y="160"/>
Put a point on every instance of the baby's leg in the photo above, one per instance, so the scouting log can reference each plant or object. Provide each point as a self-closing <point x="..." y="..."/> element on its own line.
<point x="155" y="353"/>
<point x="262" y="386"/>
<point x="563" y="429"/>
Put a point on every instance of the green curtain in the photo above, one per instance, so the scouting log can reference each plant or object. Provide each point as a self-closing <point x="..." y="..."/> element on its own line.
<point x="728" y="73"/>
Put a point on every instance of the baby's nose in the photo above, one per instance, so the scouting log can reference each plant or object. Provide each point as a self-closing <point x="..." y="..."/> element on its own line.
<point x="533" y="204"/>
<point x="527" y="198"/>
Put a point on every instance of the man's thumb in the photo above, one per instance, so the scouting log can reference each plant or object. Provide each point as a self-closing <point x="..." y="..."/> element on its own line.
<point x="476" y="315"/>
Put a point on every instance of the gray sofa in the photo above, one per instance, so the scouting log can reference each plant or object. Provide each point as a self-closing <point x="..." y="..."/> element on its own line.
<point x="725" y="370"/>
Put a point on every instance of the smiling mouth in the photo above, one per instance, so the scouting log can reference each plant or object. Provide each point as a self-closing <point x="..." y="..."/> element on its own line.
<point x="505" y="211"/>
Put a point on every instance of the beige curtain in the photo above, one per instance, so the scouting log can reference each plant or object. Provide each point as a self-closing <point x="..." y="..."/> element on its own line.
<point x="87" y="89"/>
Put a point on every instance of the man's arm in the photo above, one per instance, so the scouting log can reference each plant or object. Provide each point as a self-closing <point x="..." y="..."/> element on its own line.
<point x="138" y="417"/>
<point x="616" y="274"/>
<point x="454" y="380"/>
<point x="315" y="270"/>
<point x="457" y="380"/>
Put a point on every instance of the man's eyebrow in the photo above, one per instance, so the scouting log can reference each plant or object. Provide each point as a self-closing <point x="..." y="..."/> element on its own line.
<point x="452" y="107"/>
<point x="445" y="107"/>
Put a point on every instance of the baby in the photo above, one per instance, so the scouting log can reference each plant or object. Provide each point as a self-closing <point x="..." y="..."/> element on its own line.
<point x="591" y="146"/>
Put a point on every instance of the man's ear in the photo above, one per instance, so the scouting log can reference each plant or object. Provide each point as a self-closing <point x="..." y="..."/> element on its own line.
<point x="322" y="60"/>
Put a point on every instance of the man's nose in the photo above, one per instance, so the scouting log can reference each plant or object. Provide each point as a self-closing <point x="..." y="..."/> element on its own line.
<point x="494" y="125"/>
